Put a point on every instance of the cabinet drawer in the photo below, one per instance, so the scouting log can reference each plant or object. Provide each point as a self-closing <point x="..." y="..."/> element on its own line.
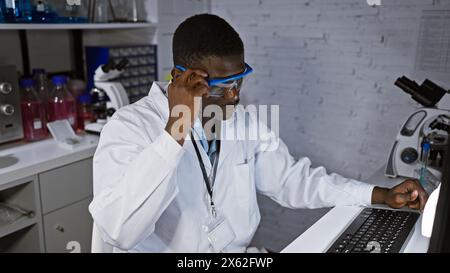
<point x="66" y="185"/>
<point x="71" y="225"/>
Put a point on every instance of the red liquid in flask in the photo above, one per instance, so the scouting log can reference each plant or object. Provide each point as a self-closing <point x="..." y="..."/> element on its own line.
<point x="62" y="109"/>
<point x="33" y="118"/>
<point x="33" y="113"/>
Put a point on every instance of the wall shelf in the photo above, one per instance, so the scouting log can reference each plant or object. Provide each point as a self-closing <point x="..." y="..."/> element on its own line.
<point x="76" y="29"/>
<point x="12" y="26"/>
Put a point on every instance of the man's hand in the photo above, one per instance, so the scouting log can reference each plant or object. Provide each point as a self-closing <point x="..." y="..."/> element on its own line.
<point x="183" y="90"/>
<point x="409" y="193"/>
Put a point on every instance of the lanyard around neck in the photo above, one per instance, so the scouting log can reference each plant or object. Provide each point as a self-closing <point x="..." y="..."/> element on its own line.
<point x="208" y="181"/>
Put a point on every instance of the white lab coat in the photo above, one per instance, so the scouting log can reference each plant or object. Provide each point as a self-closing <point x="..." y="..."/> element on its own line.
<point x="149" y="193"/>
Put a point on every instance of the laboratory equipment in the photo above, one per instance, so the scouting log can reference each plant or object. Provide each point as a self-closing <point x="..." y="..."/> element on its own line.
<point x="2" y="8"/>
<point x="423" y="168"/>
<point x="33" y="112"/>
<point x="43" y="12"/>
<point x="64" y="135"/>
<point x="127" y="10"/>
<point x="11" y="10"/>
<point x="85" y="114"/>
<point x="427" y="124"/>
<point x="113" y="90"/>
<point x="139" y="75"/>
<point x="26" y="11"/>
<point x="16" y="11"/>
<point x="42" y="86"/>
<point x="100" y="11"/>
<point x="376" y="230"/>
<point x="70" y="11"/>
<point x="61" y="104"/>
<point x="10" y="114"/>
<point x="439" y="221"/>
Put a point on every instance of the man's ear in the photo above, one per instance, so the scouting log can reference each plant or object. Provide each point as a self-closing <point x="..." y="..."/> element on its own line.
<point x="175" y="73"/>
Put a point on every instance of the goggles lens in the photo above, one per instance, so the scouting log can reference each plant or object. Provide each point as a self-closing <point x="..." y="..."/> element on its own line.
<point x="220" y="89"/>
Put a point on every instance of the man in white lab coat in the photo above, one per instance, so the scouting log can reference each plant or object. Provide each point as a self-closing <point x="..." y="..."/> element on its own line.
<point x="157" y="190"/>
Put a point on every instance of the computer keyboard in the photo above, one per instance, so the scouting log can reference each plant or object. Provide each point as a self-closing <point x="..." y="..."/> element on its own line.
<point x="376" y="230"/>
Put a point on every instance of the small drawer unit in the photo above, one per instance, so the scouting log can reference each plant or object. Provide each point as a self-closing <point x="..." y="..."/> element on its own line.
<point x="65" y="185"/>
<point x="65" y="196"/>
<point x="69" y="229"/>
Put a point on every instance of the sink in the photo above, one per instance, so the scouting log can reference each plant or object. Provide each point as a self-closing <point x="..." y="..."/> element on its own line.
<point x="7" y="161"/>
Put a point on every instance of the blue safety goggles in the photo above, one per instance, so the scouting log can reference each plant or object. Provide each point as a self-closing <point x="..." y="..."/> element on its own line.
<point x="221" y="86"/>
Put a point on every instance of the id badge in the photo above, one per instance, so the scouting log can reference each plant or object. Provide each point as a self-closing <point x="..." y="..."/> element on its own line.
<point x="219" y="231"/>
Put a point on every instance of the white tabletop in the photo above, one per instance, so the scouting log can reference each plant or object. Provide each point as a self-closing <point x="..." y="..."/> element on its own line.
<point x="320" y="236"/>
<point x="26" y="159"/>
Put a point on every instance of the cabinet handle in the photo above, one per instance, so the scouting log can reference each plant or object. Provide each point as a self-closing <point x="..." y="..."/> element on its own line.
<point x="59" y="228"/>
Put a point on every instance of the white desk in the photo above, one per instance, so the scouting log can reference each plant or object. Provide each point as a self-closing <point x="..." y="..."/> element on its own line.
<point x="31" y="158"/>
<point x="320" y="236"/>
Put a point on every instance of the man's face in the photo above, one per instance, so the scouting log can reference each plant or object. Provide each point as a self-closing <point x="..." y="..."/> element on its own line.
<point x="222" y="67"/>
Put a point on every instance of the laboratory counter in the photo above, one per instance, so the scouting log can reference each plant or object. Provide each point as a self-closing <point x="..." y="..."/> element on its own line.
<point x="45" y="191"/>
<point x="19" y="160"/>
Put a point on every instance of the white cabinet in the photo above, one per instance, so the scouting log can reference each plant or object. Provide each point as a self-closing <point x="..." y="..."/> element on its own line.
<point x="69" y="229"/>
<point x="62" y="223"/>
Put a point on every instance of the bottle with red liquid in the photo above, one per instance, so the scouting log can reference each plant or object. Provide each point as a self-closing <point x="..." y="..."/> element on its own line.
<point x="61" y="104"/>
<point x="33" y="112"/>
<point x="42" y="85"/>
<point x="85" y="115"/>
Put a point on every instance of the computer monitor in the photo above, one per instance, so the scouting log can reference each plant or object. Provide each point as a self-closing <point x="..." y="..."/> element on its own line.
<point x="440" y="236"/>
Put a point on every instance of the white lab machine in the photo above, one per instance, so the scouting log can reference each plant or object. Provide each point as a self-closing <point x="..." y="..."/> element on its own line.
<point x="424" y="136"/>
<point x="113" y="90"/>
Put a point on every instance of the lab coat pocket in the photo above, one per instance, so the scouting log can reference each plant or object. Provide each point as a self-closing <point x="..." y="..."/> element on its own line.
<point x="242" y="184"/>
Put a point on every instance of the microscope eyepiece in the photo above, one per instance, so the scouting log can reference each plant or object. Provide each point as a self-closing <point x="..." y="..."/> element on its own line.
<point x="427" y="94"/>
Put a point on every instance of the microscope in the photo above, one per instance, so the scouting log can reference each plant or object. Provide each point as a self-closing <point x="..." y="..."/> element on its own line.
<point x="422" y="141"/>
<point x="108" y="95"/>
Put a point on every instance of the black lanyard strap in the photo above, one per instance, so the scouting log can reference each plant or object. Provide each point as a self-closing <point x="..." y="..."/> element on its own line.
<point x="205" y="175"/>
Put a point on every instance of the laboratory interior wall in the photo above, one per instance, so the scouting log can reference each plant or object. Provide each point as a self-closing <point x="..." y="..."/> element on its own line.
<point x="331" y="66"/>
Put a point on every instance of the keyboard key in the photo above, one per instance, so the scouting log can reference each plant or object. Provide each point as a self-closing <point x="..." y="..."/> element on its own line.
<point x="348" y="248"/>
<point x="357" y="249"/>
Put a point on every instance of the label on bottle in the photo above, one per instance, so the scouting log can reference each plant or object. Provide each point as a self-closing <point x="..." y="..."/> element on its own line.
<point x="71" y="120"/>
<point x="37" y="124"/>
<point x="40" y="6"/>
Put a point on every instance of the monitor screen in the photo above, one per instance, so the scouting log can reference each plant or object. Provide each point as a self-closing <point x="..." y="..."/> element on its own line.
<point x="440" y="237"/>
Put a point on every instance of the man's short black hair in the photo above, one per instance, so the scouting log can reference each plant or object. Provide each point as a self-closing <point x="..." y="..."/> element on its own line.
<point x="202" y="36"/>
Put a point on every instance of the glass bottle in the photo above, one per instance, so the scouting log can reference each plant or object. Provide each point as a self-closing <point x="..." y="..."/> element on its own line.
<point x="61" y="104"/>
<point x="11" y="11"/>
<point x="33" y="113"/>
<point x="85" y="115"/>
<point x="42" y="85"/>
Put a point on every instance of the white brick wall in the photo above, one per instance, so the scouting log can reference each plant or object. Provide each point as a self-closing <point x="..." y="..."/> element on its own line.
<point x="331" y="65"/>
